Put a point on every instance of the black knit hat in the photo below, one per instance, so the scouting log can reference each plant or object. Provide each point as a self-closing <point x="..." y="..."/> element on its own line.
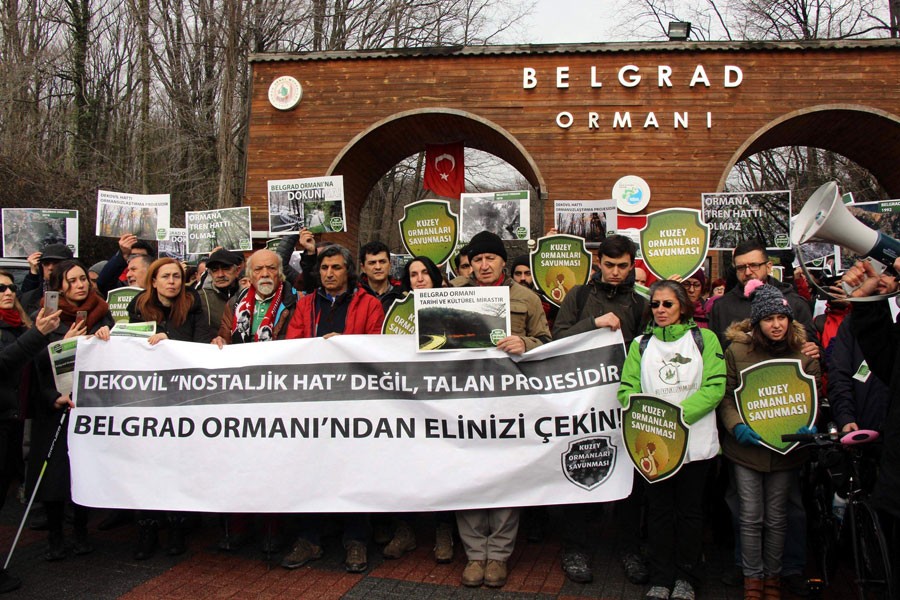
<point x="486" y="243"/>
<point x="523" y="260"/>
<point x="766" y="300"/>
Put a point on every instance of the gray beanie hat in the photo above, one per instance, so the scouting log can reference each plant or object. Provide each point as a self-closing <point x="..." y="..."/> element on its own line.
<point x="766" y="300"/>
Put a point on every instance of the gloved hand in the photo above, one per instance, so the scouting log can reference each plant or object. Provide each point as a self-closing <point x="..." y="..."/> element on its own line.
<point x="746" y="436"/>
<point x="810" y="429"/>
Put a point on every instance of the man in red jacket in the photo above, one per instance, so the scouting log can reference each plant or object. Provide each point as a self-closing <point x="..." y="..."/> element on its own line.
<point x="338" y="306"/>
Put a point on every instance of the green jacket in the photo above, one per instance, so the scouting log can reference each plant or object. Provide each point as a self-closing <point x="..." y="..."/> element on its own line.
<point x="699" y="405"/>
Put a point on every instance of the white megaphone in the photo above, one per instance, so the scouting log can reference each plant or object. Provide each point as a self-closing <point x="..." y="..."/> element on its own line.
<point x="824" y="217"/>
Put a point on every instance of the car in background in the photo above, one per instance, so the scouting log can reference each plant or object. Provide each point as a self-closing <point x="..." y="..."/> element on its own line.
<point x="17" y="267"/>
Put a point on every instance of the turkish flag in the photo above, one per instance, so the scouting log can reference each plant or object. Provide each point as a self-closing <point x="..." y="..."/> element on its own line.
<point x="444" y="169"/>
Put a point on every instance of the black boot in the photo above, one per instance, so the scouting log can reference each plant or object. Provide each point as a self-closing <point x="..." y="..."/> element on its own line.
<point x="82" y="544"/>
<point x="57" y="550"/>
<point x="176" y="537"/>
<point x="148" y="540"/>
<point x="8" y="583"/>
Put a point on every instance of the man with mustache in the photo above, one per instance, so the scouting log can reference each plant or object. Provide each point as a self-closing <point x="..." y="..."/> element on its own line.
<point x="259" y="313"/>
<point x="219" y="285"/>
<point x="339" y="306"/>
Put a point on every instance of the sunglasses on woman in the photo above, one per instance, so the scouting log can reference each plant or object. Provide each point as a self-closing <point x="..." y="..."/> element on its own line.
<point x="8" y="286"/>
<point x="665" y="303"/>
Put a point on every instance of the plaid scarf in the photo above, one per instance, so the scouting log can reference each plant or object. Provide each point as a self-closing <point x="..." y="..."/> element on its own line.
<point x="243" y="316"/>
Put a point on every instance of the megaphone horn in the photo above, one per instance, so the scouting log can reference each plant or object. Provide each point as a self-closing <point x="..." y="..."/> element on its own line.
<point x="825" y="218"/>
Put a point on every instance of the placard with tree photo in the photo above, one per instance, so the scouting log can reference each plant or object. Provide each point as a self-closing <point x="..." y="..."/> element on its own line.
<point x="314" y="203"/>
<point x="28" y="230"/>
<point x="225" y="227"/>
<point x="737" y="216"/>
<point x="459" y="318"/>
<point x="143" y="215"/>
<point x="591" y="220"/>
<point x="504" y="213"/>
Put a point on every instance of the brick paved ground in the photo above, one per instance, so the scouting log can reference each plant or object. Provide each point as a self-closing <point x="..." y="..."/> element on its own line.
<point x="204" y="572"/>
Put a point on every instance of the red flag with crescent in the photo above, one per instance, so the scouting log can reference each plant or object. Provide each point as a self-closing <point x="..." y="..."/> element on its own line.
<point x="444" y="169"/>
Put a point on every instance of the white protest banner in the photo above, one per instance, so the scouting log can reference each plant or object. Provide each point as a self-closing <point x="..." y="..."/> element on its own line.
<point x="143" y="215"/>
<point x="340" y="425"/>
<point x="314" y="203"/>
<point x="27" y="230"/>
<point x="457" y="318"/>
<point x="225" y="227"/>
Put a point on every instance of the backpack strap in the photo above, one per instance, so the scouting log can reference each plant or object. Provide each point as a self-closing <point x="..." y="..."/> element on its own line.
<point x="695" y="333"/>
<point x="642" y="345"/>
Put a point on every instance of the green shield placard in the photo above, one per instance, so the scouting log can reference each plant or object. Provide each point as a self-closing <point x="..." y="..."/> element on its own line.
<point x="429" y="228"/>
<point x="674" y="242"/>
<point x="400" y="318"/>
<point x="119" y="299"/>
<point x="777" y="397"/>
<point x="558" y="263"/>
<point x="656" y="436"/>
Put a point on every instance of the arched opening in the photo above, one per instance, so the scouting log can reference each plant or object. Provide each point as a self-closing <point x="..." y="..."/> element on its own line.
<point x="374" y="151"/>
<point x="860" y="133"/>
<point x="832" y="142"/>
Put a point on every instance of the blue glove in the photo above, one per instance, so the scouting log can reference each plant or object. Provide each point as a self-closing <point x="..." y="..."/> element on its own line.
<point x="746" y="436"/>
<point x="810" y="429"/>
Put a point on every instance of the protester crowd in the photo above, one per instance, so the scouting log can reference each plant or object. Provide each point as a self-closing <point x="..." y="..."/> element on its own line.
<point x="716" y="329"/>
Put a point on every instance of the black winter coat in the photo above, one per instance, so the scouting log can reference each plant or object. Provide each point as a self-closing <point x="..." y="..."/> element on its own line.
<point x="56" y="484"/>
<point x="879" y="338"/>
<point x="194" y="329"/>
<point x="18" y="347"/>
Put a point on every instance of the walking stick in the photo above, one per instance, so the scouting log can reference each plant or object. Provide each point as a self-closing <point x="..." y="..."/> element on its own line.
<point x="37" y="485"/>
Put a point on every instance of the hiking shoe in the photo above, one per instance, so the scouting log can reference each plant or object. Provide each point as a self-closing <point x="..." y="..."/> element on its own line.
<point x="495" y="573"/>
<point x="577" y="567"/>
<point x="302" y="552"/>
<point x="683" y="590"/>
<point x="473" y="574"/>
<point x="355" y="561"/>
<point x="635" y="568"/>
<point x="657" y="592"/>
<point x="404" y="541"/>
<point x="443" y="543"/>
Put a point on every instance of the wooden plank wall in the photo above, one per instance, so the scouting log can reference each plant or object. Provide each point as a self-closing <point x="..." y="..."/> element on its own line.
<point x="342" y="98"/>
